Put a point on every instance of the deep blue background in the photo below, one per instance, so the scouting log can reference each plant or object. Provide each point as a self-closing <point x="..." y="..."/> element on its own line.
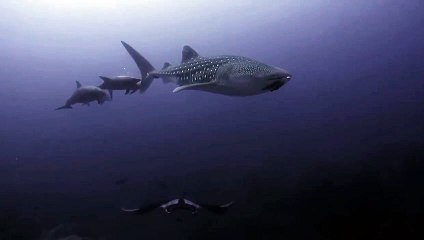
<point x="335" y="154"/>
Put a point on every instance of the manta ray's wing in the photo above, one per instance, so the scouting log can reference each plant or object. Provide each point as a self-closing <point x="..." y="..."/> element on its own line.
<point x="143" y="209"/>
<point x="193" y="206"/>
<point x="217" y="209"/>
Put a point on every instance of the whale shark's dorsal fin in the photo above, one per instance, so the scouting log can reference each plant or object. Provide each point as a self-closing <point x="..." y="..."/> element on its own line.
<point x="188" y="53"/>
<point x="166" y="65"/>
<point x="78" y="84"/>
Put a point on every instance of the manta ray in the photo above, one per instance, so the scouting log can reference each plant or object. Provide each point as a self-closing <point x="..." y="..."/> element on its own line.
<point x="225" y="74"/>
<point x="180" y="204"/>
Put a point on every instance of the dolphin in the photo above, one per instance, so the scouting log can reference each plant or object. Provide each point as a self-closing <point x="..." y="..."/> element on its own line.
<point x="120" y="83"/>
<point x="227" y="75"/>
<point x="85" y="95"/>
<point x="180" y="204"/>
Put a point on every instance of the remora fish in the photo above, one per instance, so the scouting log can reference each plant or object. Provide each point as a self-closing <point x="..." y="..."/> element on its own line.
<point x="85" y="95"/>
<point x="227" y="75"/>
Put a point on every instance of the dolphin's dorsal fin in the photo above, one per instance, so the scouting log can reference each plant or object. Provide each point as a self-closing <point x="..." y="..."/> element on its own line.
<point x="78" y="84"/>
<point x="188" y="53"/>
<point x="105" y="79"/>
<point x="166" y="65"/>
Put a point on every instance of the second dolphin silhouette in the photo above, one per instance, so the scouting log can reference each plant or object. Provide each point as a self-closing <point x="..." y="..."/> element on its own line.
<point x="129" y="84"/>
<point x="85" y="95"/>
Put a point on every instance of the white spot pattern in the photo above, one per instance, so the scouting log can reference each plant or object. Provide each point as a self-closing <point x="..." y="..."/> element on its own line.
<point x="204" y="69"/>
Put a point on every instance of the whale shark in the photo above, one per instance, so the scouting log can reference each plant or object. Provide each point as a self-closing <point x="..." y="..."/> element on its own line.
<point x="85" y="95"/>
<point x="120" y="83"/>
<point x="225" y="74"/>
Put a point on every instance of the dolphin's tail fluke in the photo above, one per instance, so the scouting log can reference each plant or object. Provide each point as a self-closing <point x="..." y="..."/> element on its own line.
<point x="64" y="107"/>
<point x="102" y="86"/>
<point x="143" y="65"/>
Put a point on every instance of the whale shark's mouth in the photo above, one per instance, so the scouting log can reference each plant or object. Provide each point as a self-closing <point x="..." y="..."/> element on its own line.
<point x="279" y="78"/>
<point x="275" y="78"/>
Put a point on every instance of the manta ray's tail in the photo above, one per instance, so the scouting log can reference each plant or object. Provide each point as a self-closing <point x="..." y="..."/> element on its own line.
<point x="143" y="65"/>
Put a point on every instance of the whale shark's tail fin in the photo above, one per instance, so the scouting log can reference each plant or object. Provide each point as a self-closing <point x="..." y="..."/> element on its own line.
<point x="64" y="107"/>
<point x="143" y="65"/>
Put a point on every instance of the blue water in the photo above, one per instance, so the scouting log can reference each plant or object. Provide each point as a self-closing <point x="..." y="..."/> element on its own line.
<point x="337" y="153"/>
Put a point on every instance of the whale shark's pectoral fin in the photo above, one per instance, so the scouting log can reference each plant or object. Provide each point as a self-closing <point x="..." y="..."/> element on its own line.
<point x="193" y="86"/>
<point x="188" y="53"/>
<point x="127" y="91"/>
<point x="133" y="91"/>
<point x="63" y="107"/>
<point x="78" y="84"/>
<point x="111" y="93"/>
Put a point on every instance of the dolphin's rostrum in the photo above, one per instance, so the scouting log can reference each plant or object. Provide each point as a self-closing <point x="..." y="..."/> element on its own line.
<point x="227" y="75"/>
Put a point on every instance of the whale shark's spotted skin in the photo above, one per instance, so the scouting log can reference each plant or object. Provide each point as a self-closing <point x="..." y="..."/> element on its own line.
<point x="204" y="69"/>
